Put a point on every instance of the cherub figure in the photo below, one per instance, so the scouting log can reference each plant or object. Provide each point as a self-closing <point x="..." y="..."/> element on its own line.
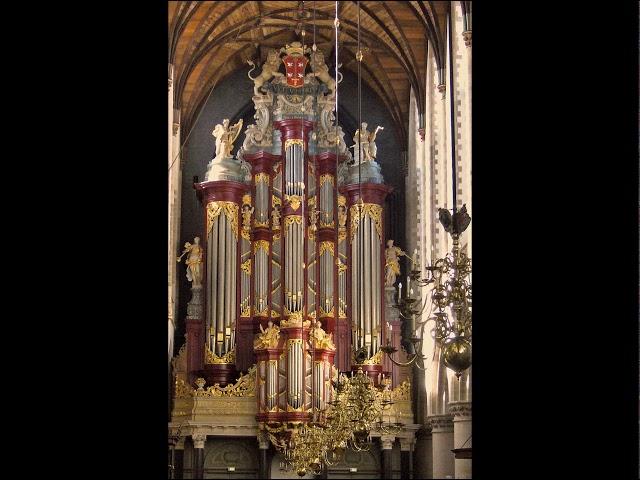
<point x="267" y="338"/>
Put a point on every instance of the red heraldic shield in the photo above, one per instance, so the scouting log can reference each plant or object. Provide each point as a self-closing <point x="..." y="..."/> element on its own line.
<point x="295" y="67"/>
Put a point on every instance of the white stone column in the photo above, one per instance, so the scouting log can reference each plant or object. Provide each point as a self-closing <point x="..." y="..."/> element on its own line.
<point x="461" y="412"/>
<point x="442" y="441"/>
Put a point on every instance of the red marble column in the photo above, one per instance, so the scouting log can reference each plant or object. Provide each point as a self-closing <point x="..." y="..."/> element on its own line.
<point x="261" y="163"/>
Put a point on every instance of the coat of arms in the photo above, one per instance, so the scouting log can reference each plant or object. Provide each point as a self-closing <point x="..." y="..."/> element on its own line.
<point x="295" y="63"/>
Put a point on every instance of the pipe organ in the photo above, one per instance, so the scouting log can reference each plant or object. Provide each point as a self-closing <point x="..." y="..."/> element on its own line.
<point x="294" y="252"/>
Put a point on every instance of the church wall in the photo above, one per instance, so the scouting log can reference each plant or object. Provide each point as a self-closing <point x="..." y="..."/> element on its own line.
<point x="429" y="187"/>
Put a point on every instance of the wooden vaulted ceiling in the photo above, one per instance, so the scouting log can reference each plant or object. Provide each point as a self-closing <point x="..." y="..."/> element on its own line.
<point x="210" y="40"/>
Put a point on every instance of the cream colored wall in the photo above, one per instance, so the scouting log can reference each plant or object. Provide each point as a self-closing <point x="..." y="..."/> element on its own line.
<point x="429" y="187"/>
<point x="173" y="212"/>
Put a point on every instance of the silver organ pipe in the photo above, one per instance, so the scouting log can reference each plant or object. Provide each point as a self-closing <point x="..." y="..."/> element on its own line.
<point x="212" y="249"/>
<point x="219" y="293"/>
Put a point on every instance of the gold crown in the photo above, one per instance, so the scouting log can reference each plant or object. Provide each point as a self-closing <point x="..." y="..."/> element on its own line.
<point x="294" y="49"/>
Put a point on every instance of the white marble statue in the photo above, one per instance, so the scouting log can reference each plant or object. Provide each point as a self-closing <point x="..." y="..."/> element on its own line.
<point x="225" y="136"/>
<point x="392" y="263"/>
<point x="194" y="261"/>
<point x="365" y="144"/>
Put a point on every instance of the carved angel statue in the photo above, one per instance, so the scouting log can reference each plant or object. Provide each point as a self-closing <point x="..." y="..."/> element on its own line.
<point x="392" y="263"/>
<point x="247" y="211"/>
<point x="314" y="213"/>
<point x="269" y="70"/>
<point x="342" y="216"/>
<point x="194" y="261"/>
<point x="275" y="217"/>
<point x="320" y="337"/>
<point x="267" y="338"/>
<point x="225" y="136"/>
<point x="365" y="144"/>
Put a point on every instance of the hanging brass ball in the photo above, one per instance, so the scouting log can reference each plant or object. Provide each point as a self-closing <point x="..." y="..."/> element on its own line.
<point x="456" y="354"/>
<point x="302" y="473"/>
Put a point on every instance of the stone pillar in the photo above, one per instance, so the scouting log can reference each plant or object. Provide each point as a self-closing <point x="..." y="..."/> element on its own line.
<point x="461" y="412"/>
<point x="263" y="446"/>
<point x="386" y="442"/>
<point x="199" y="439"/>
<point x="442" y="441"/>
<point x="406" y="457"/>
<point x="195" y="332"/>
<point x="178" y="459"/>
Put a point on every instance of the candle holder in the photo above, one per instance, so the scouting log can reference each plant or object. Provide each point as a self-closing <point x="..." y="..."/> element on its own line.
<point x="450" y="301"/>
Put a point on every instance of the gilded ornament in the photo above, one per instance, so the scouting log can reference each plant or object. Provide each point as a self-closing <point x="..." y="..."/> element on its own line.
<point x="342" y="267"/>
<point x="326" y="177"/>
<point x="294" y="201"/>
<point x="392" y="263"/>
<point x="245" y="386"/>
<point x="262" y="177"/>
<point x="293" y="141"/>
<point x="246" y="199"/>
<point x="246" y="312"/>
<point x="402" y="391"/>
<point x="183" y="390"/>
<point x="327" y="247"/>
<point x="290" y="219"/>
<point x="230" y="209"/>
<point x="212" y="358"/>
<point x="361" y="210"/>
<point x="322" y="339"/>
<point x="246" y="267"/>
<point x="267" y="338"/>
<point x="261" y="244"/>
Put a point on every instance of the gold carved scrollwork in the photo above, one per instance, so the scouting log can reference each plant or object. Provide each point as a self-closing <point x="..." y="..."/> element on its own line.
<point x="294" y="320"/>
<point x="342" y="200"/>
<point x="341" y="313"/>
<point x="246" y="267"/>
<point x="290" y="219"/>
<point x="294" y="200"/>
<point x="262" y="177"/>
<point x="230" y="209"/>
<point x="183" y="390"/>
<point x="261" y="244"/>
<point x="245" y="386"/>
<point x="327" y="246"/>
<point x="326" y="177"/>
<point x="293" y="141"/>
<point x="246" y="312"/>
<point x="361" y="210"/>
<point x="212" y="358"/>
